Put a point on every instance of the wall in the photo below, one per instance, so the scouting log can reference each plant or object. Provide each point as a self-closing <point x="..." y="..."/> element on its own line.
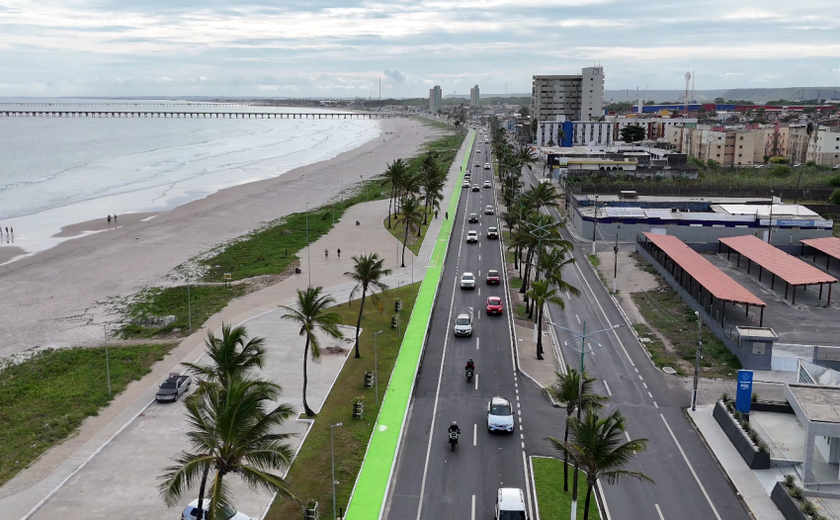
<point x="754" y="459"/>
<point x="786" y="504"/>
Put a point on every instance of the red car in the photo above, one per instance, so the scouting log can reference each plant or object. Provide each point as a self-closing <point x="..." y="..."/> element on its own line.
<point x="493" y="277"/>
<point x="494" y="305"/>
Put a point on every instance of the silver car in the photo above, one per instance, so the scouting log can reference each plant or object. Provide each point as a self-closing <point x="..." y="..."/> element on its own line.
<point x="463" y="325"/>
<point x="499" y="415"/>
<point x="467" y="281"/>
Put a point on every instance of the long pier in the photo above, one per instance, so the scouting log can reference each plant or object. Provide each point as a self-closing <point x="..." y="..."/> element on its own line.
<point x="196" y="115"/>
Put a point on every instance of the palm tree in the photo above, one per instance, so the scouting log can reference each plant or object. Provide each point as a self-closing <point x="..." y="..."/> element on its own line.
<point x="368" y="274"/>
<point x="541" y="293"/>
<point x="393" y="175"/>
<point x="312" y="313"/>
<point x="231" y="432"/>
<point x="231" y="355"/>
<point x="600" y="450"/>
<point x="410" y="216"/>
<point x="524" y="157"/>
<point x="542" y="195"/>
<point x="569" y="391"/>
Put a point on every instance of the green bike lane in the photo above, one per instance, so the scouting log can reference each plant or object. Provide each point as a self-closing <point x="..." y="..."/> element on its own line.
<point x="368" y="497"/>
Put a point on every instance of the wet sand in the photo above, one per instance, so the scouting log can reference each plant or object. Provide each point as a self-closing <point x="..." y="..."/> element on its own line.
<point x="101" y="224"/>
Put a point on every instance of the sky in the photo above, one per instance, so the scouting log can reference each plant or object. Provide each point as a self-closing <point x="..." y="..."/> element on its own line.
<point x="343" y="48"/>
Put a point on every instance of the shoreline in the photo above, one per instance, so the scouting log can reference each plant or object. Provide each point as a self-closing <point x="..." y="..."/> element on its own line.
<point x="64" y="295"/>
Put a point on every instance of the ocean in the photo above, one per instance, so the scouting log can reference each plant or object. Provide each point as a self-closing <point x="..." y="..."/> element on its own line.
<point x="60" y="171"/>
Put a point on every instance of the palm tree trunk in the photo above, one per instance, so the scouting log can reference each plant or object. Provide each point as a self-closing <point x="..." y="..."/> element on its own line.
<point x="201" y="491"/>
<point x="539" y="329"/>
<point x="566" y="454"/>
<point x="425" y="214"/>
<point x="390" y="201"/>
<point x="359" y="321"/>
<point x="404" y="243"/>
<point x="306" y="408"/>
<point x="588" y="498"/>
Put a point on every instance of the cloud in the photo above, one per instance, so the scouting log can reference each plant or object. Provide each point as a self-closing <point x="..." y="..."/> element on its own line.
<point x="395" y="75"/>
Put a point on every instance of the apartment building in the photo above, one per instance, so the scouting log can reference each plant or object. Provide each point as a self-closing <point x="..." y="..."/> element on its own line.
<point x="435" y="99"/>
<point x="575" y="97"/>
<point x="824" y="148"/>
<point x="475" y="97"/>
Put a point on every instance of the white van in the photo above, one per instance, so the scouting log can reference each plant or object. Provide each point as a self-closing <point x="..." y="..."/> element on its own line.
<point x="510" y="504"/>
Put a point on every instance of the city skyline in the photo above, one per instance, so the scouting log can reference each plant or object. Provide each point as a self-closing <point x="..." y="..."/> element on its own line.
<point x="342" y="48"/>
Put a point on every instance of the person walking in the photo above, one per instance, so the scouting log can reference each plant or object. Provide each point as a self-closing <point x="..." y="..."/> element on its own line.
<point x="326" y="254"/>
<point x="338" y="252"/>
<point x="115" y="218"/>
<point x="109" y="219"/>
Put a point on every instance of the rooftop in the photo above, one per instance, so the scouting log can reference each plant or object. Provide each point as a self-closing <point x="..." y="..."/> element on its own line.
<point x="820" y="403"/>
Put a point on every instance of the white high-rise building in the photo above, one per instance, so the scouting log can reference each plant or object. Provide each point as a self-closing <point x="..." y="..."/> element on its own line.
<point x="435" y="99"/>
<point x="576" y="97"/>
<point x="475" y="97"/>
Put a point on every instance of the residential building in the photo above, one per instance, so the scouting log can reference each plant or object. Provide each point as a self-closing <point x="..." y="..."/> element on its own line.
<point x="475" y="97"/>
<point x="601" y="133"/>
<point x="799" y="136"/>
<point x="435" y="99"/>
<point x="825" y="148"/>
<point x="575" y="97"/>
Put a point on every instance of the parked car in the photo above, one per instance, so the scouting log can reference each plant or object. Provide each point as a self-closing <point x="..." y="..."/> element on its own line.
<point x="175" y="385"/>
<point x="473" y="217"/>
<point x="191" y="512"/>
<point x="472" y="237"/>
<point x="463" y="325"/>
<point x="476" y="187"/>
<point x="488" y="210"/>
<point x="510" y="504"/>
<point x="467" y="281"/>
<point x="499" y="415"/>
<point x="492" y="232"/>
<point x="494" y="305"/>
<point x="487" y="184"/>
<point x="493" y="277"/>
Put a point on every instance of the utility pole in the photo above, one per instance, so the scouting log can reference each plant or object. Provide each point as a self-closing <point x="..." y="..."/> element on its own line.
<point x="376" y="366"/>
<point x="595" y="227"/>
<point x="770" y="222"/>
<point x="697" y="361"/>
<point x="615" y="263"/>
<point x="332" y="459"/>
<point x="189" y="304"/>
<point x="107" y="359"/>
<point x="308" y="259"/>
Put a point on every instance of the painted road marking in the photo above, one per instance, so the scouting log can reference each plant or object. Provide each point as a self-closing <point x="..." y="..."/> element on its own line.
<point x="472" y="514"/>
<point x="658" y="511"/>
<point x="627" y="435"/>
<point x="656" y="405"/>
<point x="476" y="382"/>
<point x="476" y="343"/>
<point x="578" y="318"/>
<point x="650" y="395"/>
<point x="645" y="385"/>
<point x="609" y="393"/>
<point x="696" y="478"/>
<point x="475" y="436"/>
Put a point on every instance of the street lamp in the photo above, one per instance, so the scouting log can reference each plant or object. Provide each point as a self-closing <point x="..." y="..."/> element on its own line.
<point x="593" y="346"/>
<point x="595" y="226"/>
<point x="376" y="366"/>
<point x="770" y="222"/>
<point x="332" y="457"/>
<point x="697" y="355"/>
<point x="308" y="259"/>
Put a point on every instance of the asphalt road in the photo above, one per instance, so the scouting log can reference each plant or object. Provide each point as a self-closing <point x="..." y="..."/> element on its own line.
<point x="431" y="481"/>
<point x="689" y="484"/>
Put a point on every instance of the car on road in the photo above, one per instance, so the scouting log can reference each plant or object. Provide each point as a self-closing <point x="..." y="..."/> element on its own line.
<point x="476" y="187"/>
<point x="467" y="175"/>
<point x="478" y="165"/>
<point x="191" y="512"/>
<point x="467" y="281"/>
<point x="488" y="210"/>
<point x="499" y="415"/>
<point x="510" y="504"/>
<point x="472" y="237"/>
<point x="492" y="232"/>
<point x="494" y="305"/>
<point x="487" y="166"/>
<point x="493" y="277"/>
<point x="487" y="184"/>
<point x="466" y="183"/>
<point x="175" y="385"/>
<point x="463" y="325"/>
<point x="473" y="217"/>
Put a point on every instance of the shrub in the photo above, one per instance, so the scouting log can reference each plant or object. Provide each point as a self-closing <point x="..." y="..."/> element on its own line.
<point x="834" y="182"/>
<point x="789" y="481"/>
<point x="754" y="437"/>
<point x="809" y="508"/>
<point x="762" y="447"/>
<point x="738" y="416"/>
<point x="724" y="397"/>
<point x="835" y="197"/>
<point x="811" y="164"/>
<point x="796" y="492"/>
<point x="781" y="170"/>
<point x="755" y="397"/>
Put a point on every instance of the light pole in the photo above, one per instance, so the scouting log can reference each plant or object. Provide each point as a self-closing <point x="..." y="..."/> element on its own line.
<point x="308" y="259"/>
<point x="333" y="207"/>
<point x="412" y="269"/>
<point x="770" y="222"/>
<point x="189" y="304"/>
<point x="697" y="360"/>
<point x="593" y="346"/>
<point x="376" y="366"/>
<point x="332" y="457"/>
<point x="107" y="359"/>
<point x="615" y="261"/>
<point x="595" y="226"/>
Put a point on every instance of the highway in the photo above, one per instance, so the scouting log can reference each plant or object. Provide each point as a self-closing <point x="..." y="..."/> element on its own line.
<point x="431" y="481"/>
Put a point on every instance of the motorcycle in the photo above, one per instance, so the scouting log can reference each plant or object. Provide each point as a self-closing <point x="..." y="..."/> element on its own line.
<point x="470" y="372"/>
<point x="453" y="439"/>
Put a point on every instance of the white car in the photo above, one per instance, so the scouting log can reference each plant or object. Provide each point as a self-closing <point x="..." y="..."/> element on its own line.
<point x="499" y="415"/>
<point x="463" y="325"/>
<point x="488" y="210"/>
<point x="467" y="281"/>
<point x="510" y="504"/>
<point x="487" y="166"/>
<point x="465" y="184"/>
<point x="472" y="237"/>
<point x="487" y="184"/>
<point x="478" y="150"/>
<point x="191" y="512"/>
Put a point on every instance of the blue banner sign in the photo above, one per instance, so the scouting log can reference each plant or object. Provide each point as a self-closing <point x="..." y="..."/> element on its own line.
<point x="743" y="396"/>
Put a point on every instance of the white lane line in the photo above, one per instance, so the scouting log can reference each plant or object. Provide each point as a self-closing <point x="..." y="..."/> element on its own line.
<point x="476" y="383"/>
<point x="636" y="369"/>
<point x="658" y="511"/>
<point x="645" y="385"/>
<point x="627" y="435"/>
<point x="437" y="397"/>
<point x="475" y="434"/>
<point x="479" y="259"/>
<point x="578" y="318"/>
<point x="472" y="514"/>
<point x="656" y="405"/>
<point x="640" y="377"/>
<point x="650" y="395"/>
<point x="609" y="393"/>
<point x="479" y="291"/>
<point x="696" y="478"/>
<point x="476" y="343"/>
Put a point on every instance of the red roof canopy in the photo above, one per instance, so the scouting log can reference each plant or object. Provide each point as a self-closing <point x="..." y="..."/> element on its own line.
<point x="828" y="245"/>
<point x="718" y="283"/>
<point x="789" y="268"/>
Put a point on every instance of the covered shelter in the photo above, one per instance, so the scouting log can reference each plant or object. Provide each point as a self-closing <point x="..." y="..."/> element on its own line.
<point x="830" y="246"/>
<point x="793" y="271"/>
<point x="816" y="407"/>
<point x="697" y="275"/>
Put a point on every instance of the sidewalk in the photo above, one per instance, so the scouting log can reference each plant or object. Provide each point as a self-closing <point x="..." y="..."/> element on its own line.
<point x="90" y="478"/>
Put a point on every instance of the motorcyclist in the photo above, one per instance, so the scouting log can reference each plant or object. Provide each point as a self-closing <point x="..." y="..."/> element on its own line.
<point x="470" y="365"/>
<point x="455" y="428"/>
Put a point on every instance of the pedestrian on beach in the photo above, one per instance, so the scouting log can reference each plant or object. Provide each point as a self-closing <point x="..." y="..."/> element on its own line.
<point x="109" y="219"/>
<point x="115" y="218"/>
<point x="339" y="253"/>
<point x="326" y="254"/>
<point x="446" y="215"/>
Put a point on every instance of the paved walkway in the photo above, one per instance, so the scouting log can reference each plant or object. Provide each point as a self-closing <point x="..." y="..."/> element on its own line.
<point x="142" y="437"/>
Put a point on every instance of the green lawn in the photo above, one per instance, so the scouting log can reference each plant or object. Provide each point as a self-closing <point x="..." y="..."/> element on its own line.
<point x="309" y="477"/>
<point x="553" y="502"/>
<point x="44" y="399"/>
<point x="414" y="242"/>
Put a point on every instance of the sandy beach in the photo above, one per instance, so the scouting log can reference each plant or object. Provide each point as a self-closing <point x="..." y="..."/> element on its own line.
<point x="59" y="298"/>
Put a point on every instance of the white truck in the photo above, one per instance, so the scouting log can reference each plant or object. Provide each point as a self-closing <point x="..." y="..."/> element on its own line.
<point x="175" y="385"/>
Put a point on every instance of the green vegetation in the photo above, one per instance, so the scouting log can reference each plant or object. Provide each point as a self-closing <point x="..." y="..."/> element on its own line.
<point x="309" y="476"/>
<point x="553" y="502"/>
<point x="204" y="301"/>
<point x="594" y="260"/>
<point x="666" y="312"/>
<point x="660" y="356"/>
<point x="520" y="311"/>
<point x="414" y="242"/>
<point x="515" y="283"/>
<point x="44" y="399"/>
